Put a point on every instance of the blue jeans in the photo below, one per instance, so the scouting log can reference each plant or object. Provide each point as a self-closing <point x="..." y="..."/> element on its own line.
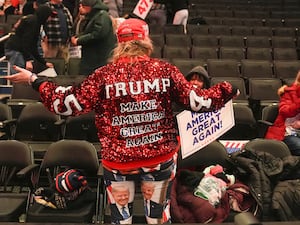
<point x="293" y="142"/>
<point x="14" y="58"/>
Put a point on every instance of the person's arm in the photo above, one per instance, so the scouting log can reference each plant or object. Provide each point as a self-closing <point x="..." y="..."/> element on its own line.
<point x="289" y="105"/>
<point x="29" y="43"/>
<point x="67" y="101"/>
<point x="201" y="99"/>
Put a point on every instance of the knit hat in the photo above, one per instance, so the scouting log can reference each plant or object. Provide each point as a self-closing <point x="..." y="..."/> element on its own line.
<point x="132" y="29"/>
<point x="69" y="181"/>
<point x="90" y="3"/>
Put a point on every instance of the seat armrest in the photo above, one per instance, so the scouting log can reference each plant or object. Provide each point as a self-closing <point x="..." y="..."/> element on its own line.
<point x="8" y="127"/>
<point x="8" y="122"/>
<point x="264" y="122"/>
<point x="27" y="170"/>
<point x="60" y="122"/>
<point x="263" y="126"/>
<point x="4" y="99"/>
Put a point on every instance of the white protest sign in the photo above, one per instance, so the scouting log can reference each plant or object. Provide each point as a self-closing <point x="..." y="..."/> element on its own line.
<point x="75" y="51"/>
<point x="142" y="8"/>
<point x="197" y="130"/>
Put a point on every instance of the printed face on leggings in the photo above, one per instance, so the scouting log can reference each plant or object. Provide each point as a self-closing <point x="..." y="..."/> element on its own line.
<point x="147" y="190"/>
<point x="121" y="195"/>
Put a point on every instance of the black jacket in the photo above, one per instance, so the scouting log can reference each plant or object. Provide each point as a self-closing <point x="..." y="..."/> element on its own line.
<point x="263" y="172"/>
<point x="26" y="36"/>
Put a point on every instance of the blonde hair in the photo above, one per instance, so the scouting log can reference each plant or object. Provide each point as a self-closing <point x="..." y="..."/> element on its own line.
<point x="132" y="49"/>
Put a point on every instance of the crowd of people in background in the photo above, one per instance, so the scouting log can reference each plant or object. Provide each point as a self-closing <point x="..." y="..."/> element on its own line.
<point x="85" y="26"/>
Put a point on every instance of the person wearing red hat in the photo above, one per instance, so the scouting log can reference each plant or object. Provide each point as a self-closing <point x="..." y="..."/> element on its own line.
<point x="132" y="97"/>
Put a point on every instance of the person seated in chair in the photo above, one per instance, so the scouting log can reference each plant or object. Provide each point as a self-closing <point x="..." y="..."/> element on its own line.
<point x="286" y="127"/>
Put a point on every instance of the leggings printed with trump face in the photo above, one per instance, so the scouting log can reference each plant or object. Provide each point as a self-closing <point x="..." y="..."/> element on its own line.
<point x="155" y="185"/>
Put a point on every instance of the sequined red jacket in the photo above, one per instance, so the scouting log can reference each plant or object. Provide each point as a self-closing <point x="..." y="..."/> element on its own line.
<point x="132" y="101"/>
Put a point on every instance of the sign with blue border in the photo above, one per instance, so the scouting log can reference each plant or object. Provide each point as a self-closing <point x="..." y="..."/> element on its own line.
<point x="197" y="130"/>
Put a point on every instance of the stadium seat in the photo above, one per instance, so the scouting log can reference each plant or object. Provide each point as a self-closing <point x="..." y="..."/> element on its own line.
<point x="59" y="157"/>
<point x="274" y="147"/>
<point x="259" y="53"/>
<point x="286" y="68"/>
<point x="258" y="41"/>
<point x="204" y="53"/>
<point x="232" y="41"/>
<point x="16" y="159"/>
<point x="37" y="123"/>
<point x="223" y="68"/>
<point x="256" y="68"/>
<point x="200" y="40"/>
<point x="245" y="127"/>
<point x="285" y="54"/>
<point x="236" y="53"/>
<point x="178" y="40"/>
<point x="81" y="128"/>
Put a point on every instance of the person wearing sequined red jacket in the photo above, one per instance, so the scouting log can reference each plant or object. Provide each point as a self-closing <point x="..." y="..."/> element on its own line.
<point x="132" y="97"/>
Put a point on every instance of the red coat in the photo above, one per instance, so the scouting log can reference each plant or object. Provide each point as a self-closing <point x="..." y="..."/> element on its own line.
<point x="289" y="106"/>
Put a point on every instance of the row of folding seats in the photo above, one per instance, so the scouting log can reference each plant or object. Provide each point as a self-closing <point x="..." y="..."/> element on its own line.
<point x="9" y="19"/>
<point x="256" y="2"/>
<point x="27" y="188"/>
<point x="254" y="92"/>
<point x="261" y="13"/>
<point x="62" y="67"/>
<point x="282" y="69"/>
<point x="241" y="40"/>
<point x="252" y="9"/>
<point x="238" y="21"/>
<point x="237" y="53"/>
<point x="246" y="30"/>
<point x="29" y="120"/>
<point x="249" y="5"/>
<point x="240" y="30"/>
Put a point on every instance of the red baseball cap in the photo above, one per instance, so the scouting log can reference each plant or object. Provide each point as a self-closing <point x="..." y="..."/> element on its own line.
<point x="132" y="29"/>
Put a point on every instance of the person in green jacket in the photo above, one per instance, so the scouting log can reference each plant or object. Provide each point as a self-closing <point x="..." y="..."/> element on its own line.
<point x="97" y="38"/>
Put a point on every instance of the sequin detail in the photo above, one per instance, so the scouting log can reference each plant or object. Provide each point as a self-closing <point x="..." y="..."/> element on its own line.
<point x="132" y="101"/>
